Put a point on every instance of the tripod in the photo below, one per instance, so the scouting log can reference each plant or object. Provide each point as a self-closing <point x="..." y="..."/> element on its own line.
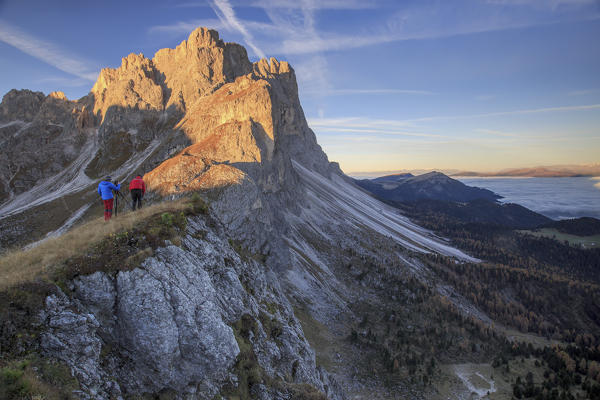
<point x="117" y="195"/>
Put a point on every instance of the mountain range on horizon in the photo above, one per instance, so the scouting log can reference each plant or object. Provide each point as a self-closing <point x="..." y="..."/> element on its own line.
<point x="540" y="171"/>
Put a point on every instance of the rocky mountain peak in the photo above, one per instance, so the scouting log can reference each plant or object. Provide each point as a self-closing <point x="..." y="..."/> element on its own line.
<point x="20" y="105"/>
<point x="267" y="68"/>
<point x="58" y="95"/>
<point x="174" y="77"/>
<point x="201" y="37"/>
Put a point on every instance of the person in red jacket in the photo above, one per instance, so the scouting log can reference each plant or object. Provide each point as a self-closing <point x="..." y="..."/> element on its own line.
<point x="137" y="187"/>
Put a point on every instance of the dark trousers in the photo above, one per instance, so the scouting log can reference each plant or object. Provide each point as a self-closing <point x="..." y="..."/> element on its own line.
<point x="136" y="197"/>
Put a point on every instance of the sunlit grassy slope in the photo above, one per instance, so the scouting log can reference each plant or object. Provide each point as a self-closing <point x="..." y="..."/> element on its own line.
<point x="21" y="266"/>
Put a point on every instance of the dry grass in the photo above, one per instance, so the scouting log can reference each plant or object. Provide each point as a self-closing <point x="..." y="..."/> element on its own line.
<point x="21" y="266"/>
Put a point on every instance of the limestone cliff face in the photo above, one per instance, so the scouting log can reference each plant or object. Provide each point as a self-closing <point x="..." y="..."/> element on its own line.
<point x="244" y="137"/>
<point x="174" y="77"/>
<point x="254" y="121"/>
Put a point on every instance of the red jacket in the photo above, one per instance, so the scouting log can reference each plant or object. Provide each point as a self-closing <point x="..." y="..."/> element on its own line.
<point x="138" y="183"/>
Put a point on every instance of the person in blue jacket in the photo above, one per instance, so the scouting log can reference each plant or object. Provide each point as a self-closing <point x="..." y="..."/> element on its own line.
<point x="105" y="190"/>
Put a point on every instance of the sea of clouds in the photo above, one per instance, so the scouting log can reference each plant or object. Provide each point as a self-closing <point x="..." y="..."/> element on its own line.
<point x="557" y="198"/>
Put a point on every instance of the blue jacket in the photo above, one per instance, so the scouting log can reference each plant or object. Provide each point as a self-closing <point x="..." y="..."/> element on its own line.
<point x="105" y="189"/>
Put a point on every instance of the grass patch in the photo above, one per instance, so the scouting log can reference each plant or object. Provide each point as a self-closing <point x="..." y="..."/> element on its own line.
<point x="22" y="266"/>
<point x="19" y="308"/>
<point x="36" y="378"/>
<point x="247" y="368"/>
<point x="271" y="326"/>
<point x="319" y="338"/>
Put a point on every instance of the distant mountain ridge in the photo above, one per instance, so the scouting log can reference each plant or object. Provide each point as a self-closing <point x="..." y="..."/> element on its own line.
<point x="539" y="171"/>
<point x="432" y="186"/>
<point x="558" y="171"/>
<point x="434" y="193"/>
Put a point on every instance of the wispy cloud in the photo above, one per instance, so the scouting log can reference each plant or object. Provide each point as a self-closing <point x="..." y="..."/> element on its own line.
<point x="368" y="123"/>
<point x="341" y="92"/>
<point x="333" y="43"/>
<point x="296" y="19"/>
<point x="495" y="132"/>
<point x="444" y="19"/>
<point x="64" y="81"/>
<point x="552" y="4"/>
<point x="356" y="122"/>
<point x="410" y="22"/>
<point x="227" y="16"/>
<point x="320" y="5"/>
<point x="294" y="4"/>
<point x="583" y="92"/>
<point x="584" y="107"/>
<point x="380" y="131"/>
<point x="185" y="27"/>
<point x="411" y="127"/>
<point x="47" y="52"/>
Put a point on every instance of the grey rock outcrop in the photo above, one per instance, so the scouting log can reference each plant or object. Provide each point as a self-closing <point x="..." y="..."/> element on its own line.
<point x="167" y="326"/>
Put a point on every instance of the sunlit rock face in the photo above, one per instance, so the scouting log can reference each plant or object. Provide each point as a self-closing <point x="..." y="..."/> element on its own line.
<point x="204" y="93"/>
<point x="235" y="114"/>
<point x="144" y="99"/>
<point x="255" y="120"/>
<point x="176" y="77"/>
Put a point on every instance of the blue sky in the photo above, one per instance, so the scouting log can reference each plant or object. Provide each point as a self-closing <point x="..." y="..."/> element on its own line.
<point x="385" y="85"/>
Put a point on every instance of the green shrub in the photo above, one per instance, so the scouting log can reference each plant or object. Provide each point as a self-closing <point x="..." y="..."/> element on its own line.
<point x="36" y="378"/>
<point x="167" y="219"/>
<point x="180" y="221"/>
<point x="12" y="384"/>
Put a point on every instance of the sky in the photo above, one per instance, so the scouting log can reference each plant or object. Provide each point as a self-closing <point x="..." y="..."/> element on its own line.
<point x="385" y="85"/>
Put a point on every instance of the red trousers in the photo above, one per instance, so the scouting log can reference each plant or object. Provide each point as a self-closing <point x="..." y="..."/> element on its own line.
<point x="108" y="207"/>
